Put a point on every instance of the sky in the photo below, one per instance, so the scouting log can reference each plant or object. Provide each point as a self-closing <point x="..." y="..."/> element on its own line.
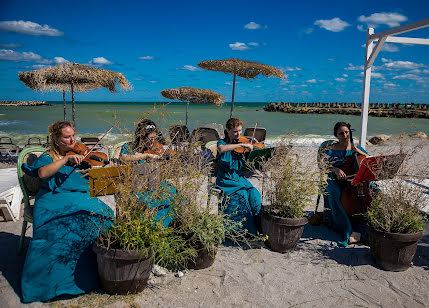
<point x="319" y="45"/>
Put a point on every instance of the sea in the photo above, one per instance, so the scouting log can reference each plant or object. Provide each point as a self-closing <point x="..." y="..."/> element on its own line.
<point x="94" y="118"/>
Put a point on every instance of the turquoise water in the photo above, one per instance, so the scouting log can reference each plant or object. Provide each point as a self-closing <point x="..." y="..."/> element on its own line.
<point x="94" y="118"/>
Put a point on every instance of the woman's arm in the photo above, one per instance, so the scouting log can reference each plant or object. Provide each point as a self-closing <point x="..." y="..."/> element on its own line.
<point x="137" y="156"/>
<point x="232" y="147"/>
<point x="52" y="168"/>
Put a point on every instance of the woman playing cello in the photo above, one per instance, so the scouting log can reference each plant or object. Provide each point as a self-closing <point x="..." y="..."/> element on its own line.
<point x="144" y="148"/>
<point x="66" y="222"/>
<point x="338" y="156"/>
<point x="243" y="201"/>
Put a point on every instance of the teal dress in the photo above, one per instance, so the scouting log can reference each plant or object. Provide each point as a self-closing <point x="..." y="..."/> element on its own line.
<point x="66" y="222"/>
<point x="242" y="201"/>
<point x="337" y="216"/>
<point x="164" y="212"/>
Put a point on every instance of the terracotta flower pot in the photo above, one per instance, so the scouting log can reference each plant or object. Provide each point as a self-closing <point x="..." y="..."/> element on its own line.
<point x="122" y="272"/>
<point x="393" y="251"/>
<point x="283" y="233"/>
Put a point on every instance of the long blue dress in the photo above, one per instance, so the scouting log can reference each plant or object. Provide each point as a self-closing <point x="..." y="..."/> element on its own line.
<point x="337" y="216"/>
<point x="66" y="222"/>
<point x="243" y="201"/>
<point x="164" y="212"/>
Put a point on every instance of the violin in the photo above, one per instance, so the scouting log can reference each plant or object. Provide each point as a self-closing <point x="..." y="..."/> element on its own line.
<point x="158" y="149"/>
<point x="242" y="150"/>
<point x="93" y="159"/>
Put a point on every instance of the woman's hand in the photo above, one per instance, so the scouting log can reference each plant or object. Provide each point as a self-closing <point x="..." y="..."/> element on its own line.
<point x="153" y="156"/>
<point x="74" y="159"/>
<point x="339" y="173"/>
<point x="247" y="145"/>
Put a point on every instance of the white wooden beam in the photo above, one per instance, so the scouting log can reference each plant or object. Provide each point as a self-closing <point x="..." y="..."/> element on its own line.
<point x="365" y="90"/>
<point x="407" y="40"/>
<point x="401" y="29"/>
<point x="375" y="51"/>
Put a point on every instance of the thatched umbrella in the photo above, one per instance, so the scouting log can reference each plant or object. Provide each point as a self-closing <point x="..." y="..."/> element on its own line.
<point x="242" y="68"/>
<point x="193" y="95"/>
<point x="71" y="77"/>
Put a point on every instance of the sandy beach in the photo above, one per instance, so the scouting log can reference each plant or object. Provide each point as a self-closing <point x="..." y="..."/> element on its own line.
<point x="317" y="273"/>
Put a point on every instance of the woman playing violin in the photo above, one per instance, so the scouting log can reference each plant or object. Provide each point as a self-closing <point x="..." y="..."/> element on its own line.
<point x="144" y="148"/>
<point x="338" y="155"/>
<point x="66" y="222"/>
<point x="243" y="201"/>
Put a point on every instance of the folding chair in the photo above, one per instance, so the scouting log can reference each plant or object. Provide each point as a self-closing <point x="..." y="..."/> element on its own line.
<point x="178" y="133"/>
<point x="29" y="186"/>
<point x="7" y="147"/>
<point x="260" y="133"/>
<point x="33" y="142"/>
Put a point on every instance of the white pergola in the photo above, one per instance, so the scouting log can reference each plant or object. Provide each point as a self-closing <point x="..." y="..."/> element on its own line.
<point x="371" y="53"/>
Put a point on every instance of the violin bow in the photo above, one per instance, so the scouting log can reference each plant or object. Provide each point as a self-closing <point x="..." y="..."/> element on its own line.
<point x="254" y="131"/>
<point x="92" y="148"/>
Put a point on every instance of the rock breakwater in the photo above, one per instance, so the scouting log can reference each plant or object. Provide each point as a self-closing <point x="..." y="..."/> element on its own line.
<point x="394" y="110"/>
<point x="23" y="103"/>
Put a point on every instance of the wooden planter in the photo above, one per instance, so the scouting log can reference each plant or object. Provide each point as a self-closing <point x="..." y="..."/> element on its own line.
<point x="393" y="251"/>
<point x="122" y="272"/>
<point x="283" y="233"/>
<point x="204" y="258"/>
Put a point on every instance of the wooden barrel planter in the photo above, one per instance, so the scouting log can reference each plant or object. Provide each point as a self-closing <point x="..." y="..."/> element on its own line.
<point x="122" y="272"/>
<point x="393" y="251"/>
<point x="204" y="258"/>
<point x="283" y="233"/>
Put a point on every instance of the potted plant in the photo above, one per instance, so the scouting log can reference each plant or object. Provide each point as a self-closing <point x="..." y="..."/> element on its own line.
<point x="288" y="187"/>
<point x="395" y="224"/>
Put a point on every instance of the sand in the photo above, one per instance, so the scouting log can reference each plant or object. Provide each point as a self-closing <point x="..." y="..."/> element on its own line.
<point x="317" y="273"/>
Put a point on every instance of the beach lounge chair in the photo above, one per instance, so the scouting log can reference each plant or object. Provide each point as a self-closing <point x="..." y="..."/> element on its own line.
<point x="33" y="142"/>
<point x="260" y="133"/>
<point x="178" y="133"/>
<point x="29" y="186"/>
<point x="10" y="203"/>
<point x="7" y="147"/>
<point x="204" y="135"/>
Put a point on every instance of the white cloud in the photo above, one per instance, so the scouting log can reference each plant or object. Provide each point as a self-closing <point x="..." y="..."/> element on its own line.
<point x="100" y="61"/>
<point x="390" y="47"/>
<point x="311" y="80"/>
<point x="60" y="60"/>
<point x="11" y="45"/>
<point x="331" y="59"/>
<point x="191" y="68"/>
<point x="146" y="58"/>
<point x="357" y="80"/>
<point x="37" y="66"/>
<point x="253" y="44"/>
<point x="229" y="83"/>
<point x="419" y="71"/>
<point x="340" y="79"/>
<point x="252" y="26"/>
<point x="351" y="67"/>
<point x="258" y="87"/>
<point x="401" y="65"/>
<point x="334" y="24"/>
<point x="360" y="28"/>
<point x="390" y="85"/>
<point x="375" y="75"/>
<point x="309" y="30"/>
<point x="153" y="81"/>
<point x="376" y="19"/>
<point x="238" y="46"/>
<point x="345" y="75"/>
<point x="28" y="27"/>
<point x="290" y="68"/>
<point x="26" y="56"/>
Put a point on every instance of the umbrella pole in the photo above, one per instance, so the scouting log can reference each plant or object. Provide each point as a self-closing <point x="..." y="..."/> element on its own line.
<point x="73" y="109"/>
<point x="232" y="99"/>
<point x="187" y="106"/>
<point x="64" y="104"/>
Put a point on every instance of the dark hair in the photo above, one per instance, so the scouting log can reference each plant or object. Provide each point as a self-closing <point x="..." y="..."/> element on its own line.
<point x="341" y="124"/>
<point x="144" y="128"/>
<point x="230" y="124"/>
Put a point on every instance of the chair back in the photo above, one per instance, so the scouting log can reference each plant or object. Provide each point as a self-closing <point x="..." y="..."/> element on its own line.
<point x="321" y="150"/>
<point x="91" y="141"/>
<point x="33" y="142"/>
<point x="178" y="133"/>
<point x="29" y="185"/>
<point x="116" y="150"/>
<point x="218" y="127"/>
<point x="260" y="133"/>
<point x="204" y="135"/>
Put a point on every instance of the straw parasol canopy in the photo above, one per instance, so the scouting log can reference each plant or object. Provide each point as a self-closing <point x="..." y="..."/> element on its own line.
<point x="71" y="77"/>
<point x="242" y="68"/>
<point x="193" y="95"/>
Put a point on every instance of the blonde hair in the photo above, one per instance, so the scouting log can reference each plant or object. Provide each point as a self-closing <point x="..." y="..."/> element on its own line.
<point x="54" y="133"/>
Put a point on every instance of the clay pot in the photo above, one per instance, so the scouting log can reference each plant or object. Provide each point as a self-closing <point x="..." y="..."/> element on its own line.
<point x="283" y="233"/>
<point x="393" y="251"/>
<point x="122" y="272"/>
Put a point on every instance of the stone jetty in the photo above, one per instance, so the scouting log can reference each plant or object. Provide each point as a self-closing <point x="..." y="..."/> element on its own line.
<point x="23" y="103"/>
<point x="393" y="110"/>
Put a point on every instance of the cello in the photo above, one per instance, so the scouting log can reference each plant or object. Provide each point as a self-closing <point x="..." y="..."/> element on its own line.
<point x="355" y="199"/>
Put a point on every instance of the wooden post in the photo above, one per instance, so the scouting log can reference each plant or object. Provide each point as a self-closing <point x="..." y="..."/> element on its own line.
<point x="64" y="104"/>
<point x="187" y="106"/>
<point x="232" y="99"/>
<point x="73" y="109"/>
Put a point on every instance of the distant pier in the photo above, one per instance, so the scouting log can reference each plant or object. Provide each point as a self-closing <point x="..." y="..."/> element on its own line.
<point x="23" y="103"/>
<point x="394" y="110"/>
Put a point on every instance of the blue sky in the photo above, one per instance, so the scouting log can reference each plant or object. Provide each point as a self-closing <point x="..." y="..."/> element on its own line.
<point x="158" y="44"/>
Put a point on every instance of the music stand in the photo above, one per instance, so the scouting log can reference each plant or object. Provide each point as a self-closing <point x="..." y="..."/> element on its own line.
<point x="378" y="168"/>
